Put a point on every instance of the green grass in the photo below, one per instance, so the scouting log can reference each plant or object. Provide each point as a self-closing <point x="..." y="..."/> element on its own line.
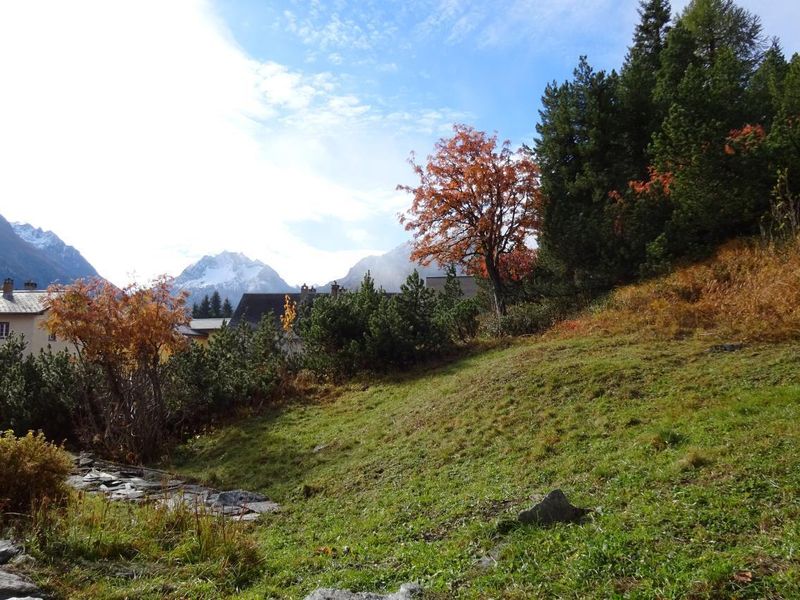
<point x="690" y="459"/>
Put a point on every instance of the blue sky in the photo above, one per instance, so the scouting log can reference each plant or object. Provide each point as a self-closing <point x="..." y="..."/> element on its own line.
<point x="149" y="133"/>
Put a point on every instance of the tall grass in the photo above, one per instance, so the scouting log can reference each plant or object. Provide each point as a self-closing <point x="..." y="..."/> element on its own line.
<point x="749" y="291"/>
<point x="174" y="549"/>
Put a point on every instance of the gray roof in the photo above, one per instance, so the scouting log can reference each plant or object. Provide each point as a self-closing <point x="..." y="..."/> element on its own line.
<point x="208" y="324"/>
<point x="23" y="302"/>
<point x="469" y="285"/>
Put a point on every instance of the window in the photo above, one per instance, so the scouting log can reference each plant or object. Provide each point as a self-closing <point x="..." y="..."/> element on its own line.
<point x="5" y="329"/>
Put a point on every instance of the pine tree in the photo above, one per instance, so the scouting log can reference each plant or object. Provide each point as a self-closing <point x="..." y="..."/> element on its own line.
<point x="205" y="308"/>
<point x="215" y="305"/>
<point x="642" y="115"/>
<point x="195" y="311"/>
<point x="578" y="150"/>
<point x="227" y="309"/>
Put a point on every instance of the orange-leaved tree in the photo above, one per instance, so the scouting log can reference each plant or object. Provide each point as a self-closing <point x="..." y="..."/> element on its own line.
<point x="122" y="336"/>
<point x="476" y="204"/>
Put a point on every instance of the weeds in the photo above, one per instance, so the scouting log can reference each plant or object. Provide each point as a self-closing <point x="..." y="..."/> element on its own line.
<point x="748" y="291"/>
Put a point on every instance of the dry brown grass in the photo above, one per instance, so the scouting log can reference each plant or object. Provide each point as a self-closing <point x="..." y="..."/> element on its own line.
<point x="748" y="290"/>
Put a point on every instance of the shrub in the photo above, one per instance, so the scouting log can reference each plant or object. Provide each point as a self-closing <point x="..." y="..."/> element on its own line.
<point x="532" y="317"/>
<point x="240" y="366"/>
<point x="37" y="391"/>
<point x="32" y="470"/>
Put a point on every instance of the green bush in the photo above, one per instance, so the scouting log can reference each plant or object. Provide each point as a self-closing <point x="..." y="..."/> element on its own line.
<point x="240" y="366"/>
<point x="38" y="391"/>
<point x="369" y="330"/>
<point x="32" y="470"/>
<point x="532" y="317"/>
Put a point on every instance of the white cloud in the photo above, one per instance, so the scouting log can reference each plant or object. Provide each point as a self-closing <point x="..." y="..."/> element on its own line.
<point x="142" y="134"/>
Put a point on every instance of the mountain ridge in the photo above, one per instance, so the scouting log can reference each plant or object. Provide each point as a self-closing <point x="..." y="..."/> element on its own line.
<point x="39" y="256"/>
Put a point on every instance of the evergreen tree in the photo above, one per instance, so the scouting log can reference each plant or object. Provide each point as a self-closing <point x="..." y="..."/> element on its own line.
<point x="642" y="116"/>
<point x="215" y="308"/>
<point x="195" y="311"/>
<point x="227" y="309"/>
<point x="205" y="308"/>
<point x="578" y="149"/>
<point x="704" y="80"/>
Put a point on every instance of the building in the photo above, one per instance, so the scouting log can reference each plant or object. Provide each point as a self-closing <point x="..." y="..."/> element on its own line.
<point x="254" y="306"/>
<point x="200" y="330"/>
<point x="23" y="312"/>
<point x="469" y="286"/>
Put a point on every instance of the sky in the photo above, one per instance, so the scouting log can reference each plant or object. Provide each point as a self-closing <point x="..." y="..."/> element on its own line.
<point x="149" y="133"/>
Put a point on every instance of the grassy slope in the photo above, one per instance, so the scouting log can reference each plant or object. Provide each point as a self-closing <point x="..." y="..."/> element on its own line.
<point x="692" y="460"/>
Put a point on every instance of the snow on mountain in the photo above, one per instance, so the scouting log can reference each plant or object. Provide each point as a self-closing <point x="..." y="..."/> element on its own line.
<point x="231" y="274"/>
<point x="66" y="260"/>
<point x="389" y="270"/>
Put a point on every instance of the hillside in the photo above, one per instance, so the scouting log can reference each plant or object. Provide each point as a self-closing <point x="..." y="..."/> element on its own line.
<point x="69" y="261"/>
<point x="28" y="253"/>
<point x="689" y="457"/>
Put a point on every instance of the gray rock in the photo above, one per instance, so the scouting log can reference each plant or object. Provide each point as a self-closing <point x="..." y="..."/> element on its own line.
<point x="407" y="591"/>
<point x="23" y="560"/>
<point x="235" y="498"/>
<point x="262" y="507"/>
<point x="8" y="550"/>
<point x="251" y="516"/>
<point x="555" y="508"/>
<point x="14" y="586"/>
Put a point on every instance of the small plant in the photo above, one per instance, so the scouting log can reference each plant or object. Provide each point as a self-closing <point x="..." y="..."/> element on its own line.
<point x="694" y="459"/>
<point x="32" y="471"/>
<point x="666" y="438"/>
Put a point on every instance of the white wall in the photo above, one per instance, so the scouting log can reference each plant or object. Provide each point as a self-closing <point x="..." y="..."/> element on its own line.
<point x="35" y="336"/>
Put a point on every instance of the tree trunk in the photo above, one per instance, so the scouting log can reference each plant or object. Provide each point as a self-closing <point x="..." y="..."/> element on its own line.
<point x="497" y="287"/>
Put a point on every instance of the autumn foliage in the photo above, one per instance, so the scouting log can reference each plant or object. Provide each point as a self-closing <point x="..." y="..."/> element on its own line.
<point x="476" y="204"/>
<point x="122" y="338"/>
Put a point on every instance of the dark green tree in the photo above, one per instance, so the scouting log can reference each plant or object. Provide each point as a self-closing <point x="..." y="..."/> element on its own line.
<point x="205" y="308"/>
<point x="227" y="309"/>
<point x="578" y="148"/>
<point x="215" y="305"/>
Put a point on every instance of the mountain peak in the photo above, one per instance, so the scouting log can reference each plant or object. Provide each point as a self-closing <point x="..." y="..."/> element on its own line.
<point x="33" y="253"/>
<point x="231" y="274"/>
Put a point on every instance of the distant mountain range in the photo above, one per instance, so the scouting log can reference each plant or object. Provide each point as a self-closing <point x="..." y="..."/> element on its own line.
<point x="29" y="253"/>
<point x="389" y="270"/>
<point x="231" y="274"/>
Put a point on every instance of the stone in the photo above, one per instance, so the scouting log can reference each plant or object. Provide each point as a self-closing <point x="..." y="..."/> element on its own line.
<point x="263" y="507"/>
<point x="8" y="550"/>
<point x="14" y="586"/>
<point x="407" y="591"/>
<point x="555" y="508"/>
<point x="235" y="498"/>
<point x="251" y="516"/>
<point x="23" y="560"/>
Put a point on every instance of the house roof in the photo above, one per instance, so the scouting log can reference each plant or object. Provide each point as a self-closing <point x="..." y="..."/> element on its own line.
<point x="469" y="285"/>
<point x="23" y="302"/>
<point x="253" y="306"/>
<point x="189" y="332"/>
<point x="208" y="324"/>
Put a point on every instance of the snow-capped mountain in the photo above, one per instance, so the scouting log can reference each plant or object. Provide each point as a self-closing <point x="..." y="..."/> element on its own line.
<point x="68" y="259"/>
<point x="231" y="274"/>
<point x="389" y="270"/>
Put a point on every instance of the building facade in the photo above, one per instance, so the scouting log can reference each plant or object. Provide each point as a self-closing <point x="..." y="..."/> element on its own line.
<point x="23" y="312"/>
